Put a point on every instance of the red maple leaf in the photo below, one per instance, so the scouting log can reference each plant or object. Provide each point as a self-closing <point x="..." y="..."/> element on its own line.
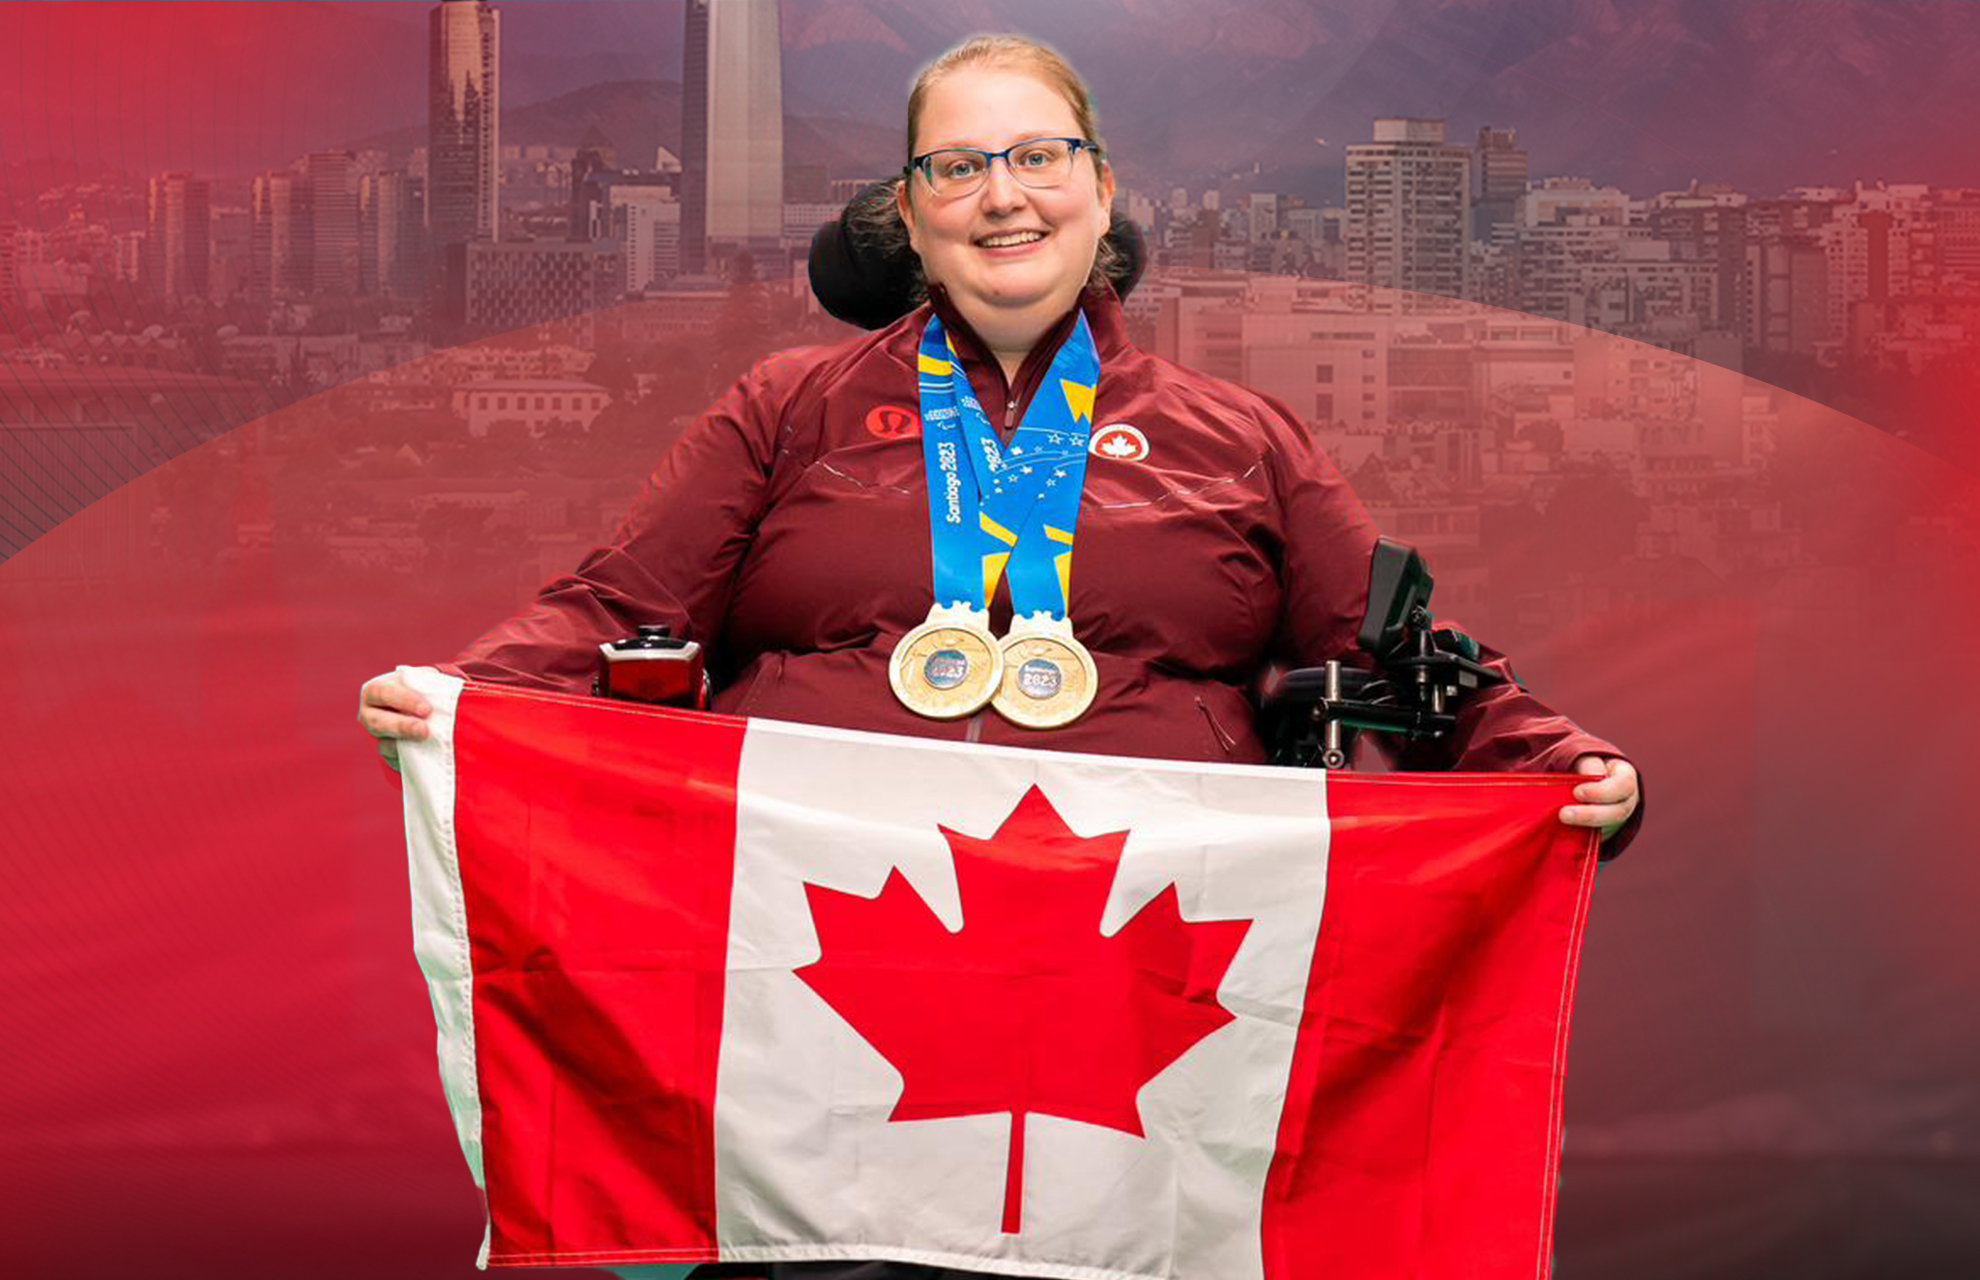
<point x="1026" y="1009"/>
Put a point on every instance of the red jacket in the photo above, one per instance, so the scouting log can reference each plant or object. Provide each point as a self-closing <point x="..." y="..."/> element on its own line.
<point x="788" y="532"/>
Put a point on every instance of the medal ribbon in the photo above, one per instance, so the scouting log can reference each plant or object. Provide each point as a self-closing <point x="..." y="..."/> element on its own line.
<point x="994" y="508"/>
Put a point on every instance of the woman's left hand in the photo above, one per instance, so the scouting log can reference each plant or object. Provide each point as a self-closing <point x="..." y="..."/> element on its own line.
<point x="1608" y="801"/>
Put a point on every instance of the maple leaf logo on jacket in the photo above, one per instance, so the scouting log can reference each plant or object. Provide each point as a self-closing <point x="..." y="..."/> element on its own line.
<point x="1033" y="1010"/>
<point x="1120" y="440"/>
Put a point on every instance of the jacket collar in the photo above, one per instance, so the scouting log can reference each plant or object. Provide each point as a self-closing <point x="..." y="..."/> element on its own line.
<point x="1103" y="318"/>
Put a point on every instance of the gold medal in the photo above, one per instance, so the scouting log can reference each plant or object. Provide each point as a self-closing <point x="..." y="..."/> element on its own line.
<point x="1049" y="678"/>
<point x="949" y="666"/>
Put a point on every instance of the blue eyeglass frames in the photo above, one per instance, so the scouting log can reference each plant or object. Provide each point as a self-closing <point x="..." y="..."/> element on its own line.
<point x="1035" y="162"/>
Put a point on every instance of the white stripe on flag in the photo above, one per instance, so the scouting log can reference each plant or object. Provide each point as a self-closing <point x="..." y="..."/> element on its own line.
<point x="439" y="912"/>
<point x="805" y="1151"/>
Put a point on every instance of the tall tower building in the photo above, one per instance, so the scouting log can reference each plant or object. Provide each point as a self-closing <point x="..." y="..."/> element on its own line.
<point x="464" y="106"/>
<point x="1502" y="174"/>
<point x="278" y="252"/>
<point x="177" y="235"/>
<point x="1409" y="211"/>
<point x="732" y="131"/>
<point x="334" y="222"/>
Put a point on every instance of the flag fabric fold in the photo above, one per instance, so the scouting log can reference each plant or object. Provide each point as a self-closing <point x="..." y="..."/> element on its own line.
<point x="713" y="989"/>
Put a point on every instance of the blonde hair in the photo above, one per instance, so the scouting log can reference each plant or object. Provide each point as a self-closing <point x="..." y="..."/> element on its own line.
<point x="878" y="222"/>
<point x="1013" y="52"/>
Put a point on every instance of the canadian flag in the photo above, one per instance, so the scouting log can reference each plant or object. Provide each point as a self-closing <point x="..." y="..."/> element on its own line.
<point x="713" y="989"/>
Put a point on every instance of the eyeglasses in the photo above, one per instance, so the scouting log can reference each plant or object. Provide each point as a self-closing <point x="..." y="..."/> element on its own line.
<point x="1035" y="162"/>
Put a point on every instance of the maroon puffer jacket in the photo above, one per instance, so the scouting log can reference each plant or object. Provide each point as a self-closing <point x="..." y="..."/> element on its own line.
<point x="788" y="532"/>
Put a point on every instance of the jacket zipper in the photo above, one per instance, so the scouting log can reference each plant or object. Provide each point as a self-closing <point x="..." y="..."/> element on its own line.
<point x="1037" y="363"/>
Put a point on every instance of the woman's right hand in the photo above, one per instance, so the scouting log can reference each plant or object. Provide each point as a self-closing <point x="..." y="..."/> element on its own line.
<point x="389" y="709"/>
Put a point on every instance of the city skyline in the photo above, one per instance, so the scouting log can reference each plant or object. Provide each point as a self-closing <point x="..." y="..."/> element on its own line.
<point x="1556" y="246"/>
<point x="1791" y="273"/>
<point x="528" y="232"/>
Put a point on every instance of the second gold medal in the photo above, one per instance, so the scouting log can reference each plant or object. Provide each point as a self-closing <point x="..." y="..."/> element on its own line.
<point x="1049" y="678"/>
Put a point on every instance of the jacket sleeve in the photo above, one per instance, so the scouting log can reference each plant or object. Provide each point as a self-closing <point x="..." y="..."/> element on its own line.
<point x="674" y="557"/>
<point x="1328" y="546"/>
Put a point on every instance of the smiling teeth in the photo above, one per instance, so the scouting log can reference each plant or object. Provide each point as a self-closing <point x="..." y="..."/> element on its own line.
<point x="1016" y="237"/>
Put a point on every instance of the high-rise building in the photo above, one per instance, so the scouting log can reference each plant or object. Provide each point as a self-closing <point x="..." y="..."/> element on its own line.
<point x="642" y="213"/>
<point x="333" y="222"/>
<point x="732" y="132"/>
<point x="646" y="221"/>
<point x="281" y="237"/>
<point x="1409" y="210"/>
<point x="389" y="239"/>
<point x="230" y="268"/>
<point x="1788" y="296"/>
<point x="1568" y="228"/>
<point x="1502" y="174"/>
<point x="178" y="239"/>
<point x="1708" y="224"/>
<point x="464" y="107"/>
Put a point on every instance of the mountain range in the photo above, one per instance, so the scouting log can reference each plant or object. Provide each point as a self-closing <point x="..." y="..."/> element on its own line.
<point x="1647" y="94"/>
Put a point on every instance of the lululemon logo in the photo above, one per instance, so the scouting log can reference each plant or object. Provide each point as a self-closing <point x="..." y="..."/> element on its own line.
<point x="890" y="422"/>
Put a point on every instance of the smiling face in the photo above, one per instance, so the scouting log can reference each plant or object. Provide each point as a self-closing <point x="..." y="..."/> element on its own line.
<point x="1013" y="258"/>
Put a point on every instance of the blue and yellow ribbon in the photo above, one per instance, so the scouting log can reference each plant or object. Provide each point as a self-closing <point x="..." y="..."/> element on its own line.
<point x="994" y="508"/>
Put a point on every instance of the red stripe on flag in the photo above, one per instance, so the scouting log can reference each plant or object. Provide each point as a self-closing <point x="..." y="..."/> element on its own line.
<point x="597" y="993"/>
<point x="1421" y="1132"/>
